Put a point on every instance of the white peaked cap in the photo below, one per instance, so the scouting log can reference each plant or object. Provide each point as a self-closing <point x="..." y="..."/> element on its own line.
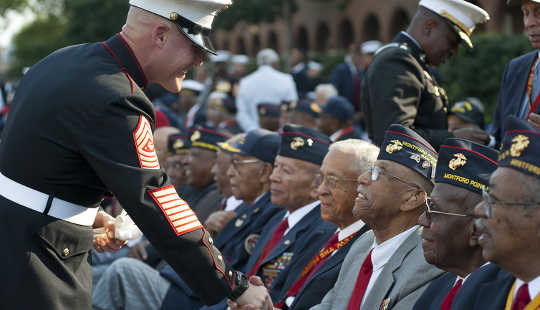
<point x="193" y="17"/>
<point x="462" y="15"/>
<point x="370" y="47"/>
<point x="240" y="59"/>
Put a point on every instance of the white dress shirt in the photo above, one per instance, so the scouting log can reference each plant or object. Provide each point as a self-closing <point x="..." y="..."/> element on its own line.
<point x="298" y="214"/>
<point x="534" y="287"/>
<point x="381" y="255"/>
<point x="264" y="85"/>
<point x="232" y="203"/>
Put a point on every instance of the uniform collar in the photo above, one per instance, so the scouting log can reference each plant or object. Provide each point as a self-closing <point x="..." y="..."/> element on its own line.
<point x="403" y="38"/>
<point x="122" y="53"/>
<point x="349" y="230"/>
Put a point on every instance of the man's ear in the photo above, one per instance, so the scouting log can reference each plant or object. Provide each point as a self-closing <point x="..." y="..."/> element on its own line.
<point x="471" y="233"/>
<point x="266" y="171"/>
<point x="415" y="199"/>
<point x="160" y="35"/>
<point x="429" y="25"/>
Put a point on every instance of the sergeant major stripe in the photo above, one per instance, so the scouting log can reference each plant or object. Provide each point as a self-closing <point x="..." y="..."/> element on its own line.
<point x="177" y="211"/>
<point x="144" y="144"/>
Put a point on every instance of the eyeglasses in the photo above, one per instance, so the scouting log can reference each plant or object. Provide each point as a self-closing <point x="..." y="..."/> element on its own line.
<point x="237" y="162"/>
<point x="376" y="171"/>
<point x="429" y="210"/>
<point x="330" y="180"/>
<point x="490" y="201"/>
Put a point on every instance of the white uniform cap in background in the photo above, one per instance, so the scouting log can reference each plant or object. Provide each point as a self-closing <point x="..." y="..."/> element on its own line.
<point x="221" y="56"/>
<point x="193" y="17"/>
<point x="462" y="16"/>
<point x="370" y="47"/>
<point x="313" y="65"/>
<point x="240" y="59"/>
<point x="192" y="85"/>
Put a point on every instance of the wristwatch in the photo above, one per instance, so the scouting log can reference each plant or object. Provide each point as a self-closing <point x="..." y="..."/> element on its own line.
<point x="240" y="284"/>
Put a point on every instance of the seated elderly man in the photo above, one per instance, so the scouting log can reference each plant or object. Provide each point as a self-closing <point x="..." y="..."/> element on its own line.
<point x="304" y="113"/>
<point x="200" y="192"/>
<point x="509" y="217"/>
<point x="345" y="161"/>
<point x="385" y="268"/>
<point x="336" y="119"/>
<point x="463" y="168"/>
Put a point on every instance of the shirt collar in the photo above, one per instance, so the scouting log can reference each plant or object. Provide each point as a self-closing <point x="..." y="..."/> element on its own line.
<point x="382" y="252"/>
<point x="336" y="135"/>
<point x="124" y="56"/>
<point x="412" y="39"/>
<point x="232" y="203"/>
<point x="298" y="214"/>
<point x="534" y="287"/>
<point x="349" y="230"/>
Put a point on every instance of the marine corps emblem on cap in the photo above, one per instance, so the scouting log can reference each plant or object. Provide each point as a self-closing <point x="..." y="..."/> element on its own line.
<point x="178" y="144"/>
<point x="520" y="143"/>
<point x="394" y="147"/>
<point x="297" y="143"/>
<point x="459" y="161"/>
<point x="195" y="136"/>
<point x="239" y="222"/>
<point x="310" y="142"/>
<point x="426" y="164"/>
<point x="416" y="158"/>
<point x="315" y="107"/>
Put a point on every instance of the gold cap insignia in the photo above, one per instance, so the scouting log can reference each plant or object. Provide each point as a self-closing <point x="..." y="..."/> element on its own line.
<point x="394" y="147"/>
<point x="178" y="144"/>
<point x="415" y="157"/>
<point x="292" y="105"/>
<point x="459" y="161"/>
<point x="224" y="86"/>
<point x="195" y="136"/>
<point x="309" y="142"/>
<point x="520" y="143"/>
<point x="174" y="16"/>
<point x="315" y="107"/>
<point x="297" y="143"/>
<point x="238" y="222"/>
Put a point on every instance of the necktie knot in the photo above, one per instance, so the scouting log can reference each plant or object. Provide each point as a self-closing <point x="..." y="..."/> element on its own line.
<point x="522" y="297"/>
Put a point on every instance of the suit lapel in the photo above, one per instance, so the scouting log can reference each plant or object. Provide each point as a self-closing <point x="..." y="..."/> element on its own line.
<point x="386" y="279"/>
<point x="520" y="83"/>
<point x="492" y="295"/>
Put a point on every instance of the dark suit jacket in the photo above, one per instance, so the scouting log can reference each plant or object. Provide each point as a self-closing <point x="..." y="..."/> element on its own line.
<point x="512" y="91"/>
<point x="434" y="295"/>
<point x="343" y="80"/>
<point x="314" y="289"/>
<point x="489" y="286"/>
<point x="306" y="238"/>
<point x="237" y="239"/>
<point x="400" y="90"/>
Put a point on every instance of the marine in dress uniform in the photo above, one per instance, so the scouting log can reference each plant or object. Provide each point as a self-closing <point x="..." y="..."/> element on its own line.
<point x="508" y="220"/>
<point x="463" y="167"/>
<point x="398" y="86"/>
<point x="337" y="118"/>
<point x="88" y="132"/>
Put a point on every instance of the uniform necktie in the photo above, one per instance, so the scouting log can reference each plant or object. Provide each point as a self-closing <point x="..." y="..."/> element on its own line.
<point x="522" y="298"/>
<point x="447" y="302"/>
<point x="274" y="240"/>
<point x="364" y="275"/>
<point x="536" y="82"/>
<point x="357" y="90"/>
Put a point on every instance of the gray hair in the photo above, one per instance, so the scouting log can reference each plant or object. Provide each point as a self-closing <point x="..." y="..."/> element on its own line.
<point x="267" y="57"/>
<point x="364" y="153"/>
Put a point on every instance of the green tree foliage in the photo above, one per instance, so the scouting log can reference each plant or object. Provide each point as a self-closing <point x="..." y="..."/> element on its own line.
<point x="478" y="73"/>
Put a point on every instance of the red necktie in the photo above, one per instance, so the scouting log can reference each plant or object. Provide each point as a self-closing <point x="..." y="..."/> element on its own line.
<point x="276" y="237"/>
<point x="522" y="298"/>
<point x="300" y="282"/>
<point x="361" y="283"/>
<point x="447" y="302"/>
